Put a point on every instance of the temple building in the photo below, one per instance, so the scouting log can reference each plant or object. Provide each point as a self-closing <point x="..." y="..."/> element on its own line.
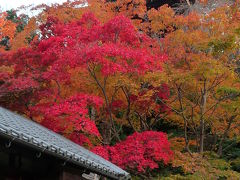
<point x="29" y="151"/>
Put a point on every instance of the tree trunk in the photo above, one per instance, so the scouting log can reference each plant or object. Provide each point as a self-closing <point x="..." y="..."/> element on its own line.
<point x="215" y="138"/>
<point x="220" y="147"/>
<point x="105" y="129"/>
<point x="184" y="118"/>
<point x="202" y="120"/>
<point x="127" y="114"/>
<point x="108" y="105"/>
<point x="202" y="134"/>
<point x="186" y="138"/>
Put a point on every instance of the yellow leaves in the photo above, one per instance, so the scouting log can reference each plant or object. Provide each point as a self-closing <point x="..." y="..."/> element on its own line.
<point x="206" y="167"/>
<point x="68" y="14"/>
<point x="221" y="22"/>
<point x="204" y="67"/>
<point x="100" y="9"/>
<point x="133" y="9"/>
<point x="80" y="82"/>
<point x="6" y="69"/>
<point x="139" y="8"/>
<point x="65" y="13"/>
<point x="178" y="143"/>
<point x="130" y="8"/>
<point x="196" y="39"/>
<point x="189" y="51"/>
<point x="189" y="164"/>
<point x="21" y="38"/>
<point x="162" y="19"/>
<point x="155" y="78"/>
<point x="193" y="21"/>
<point x="7" y="27"/>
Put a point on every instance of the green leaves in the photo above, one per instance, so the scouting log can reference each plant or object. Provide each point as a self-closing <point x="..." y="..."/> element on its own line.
<point x="219" y="46"/>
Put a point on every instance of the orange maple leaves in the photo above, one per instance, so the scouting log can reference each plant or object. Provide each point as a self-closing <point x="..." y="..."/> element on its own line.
<point x="7" y="27"/>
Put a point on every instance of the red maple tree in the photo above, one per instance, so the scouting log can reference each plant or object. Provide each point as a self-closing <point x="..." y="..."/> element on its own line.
<point x="140" y="152"/>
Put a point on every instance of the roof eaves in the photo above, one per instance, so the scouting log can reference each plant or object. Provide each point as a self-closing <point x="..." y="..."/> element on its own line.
<point x="64" y="154"/>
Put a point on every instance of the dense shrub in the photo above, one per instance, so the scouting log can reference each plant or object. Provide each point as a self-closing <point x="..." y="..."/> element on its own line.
<point x="140" y="152"/>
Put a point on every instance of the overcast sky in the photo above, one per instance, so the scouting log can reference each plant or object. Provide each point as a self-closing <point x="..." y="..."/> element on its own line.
<point x="9" y="4"/>
<point x="14" y="4"/>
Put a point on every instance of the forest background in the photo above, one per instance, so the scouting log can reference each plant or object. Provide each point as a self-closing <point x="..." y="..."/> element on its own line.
<point x="152" y="86"/>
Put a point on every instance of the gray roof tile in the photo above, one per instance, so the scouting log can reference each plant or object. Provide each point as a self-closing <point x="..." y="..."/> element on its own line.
<point x="30" y="133"/>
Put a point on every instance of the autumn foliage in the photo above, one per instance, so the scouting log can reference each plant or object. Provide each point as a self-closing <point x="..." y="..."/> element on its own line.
<point x="70" y="115"/>
<point x="8" y="28"/>
<point x="140" y="152"/>
<point x="121" y="78"/>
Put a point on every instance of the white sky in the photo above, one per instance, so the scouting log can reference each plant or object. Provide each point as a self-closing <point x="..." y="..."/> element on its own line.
<point x="14" y="4"/>
<point x="9" y="4"/>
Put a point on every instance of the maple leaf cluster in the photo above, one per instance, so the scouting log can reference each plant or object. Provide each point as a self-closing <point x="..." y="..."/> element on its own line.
<point x="70" y="115"/>
<point x="120" y="70"/>
<point x="39" y="74"/>
<point x="114" y="47"/>
<point x="139" y="152"/>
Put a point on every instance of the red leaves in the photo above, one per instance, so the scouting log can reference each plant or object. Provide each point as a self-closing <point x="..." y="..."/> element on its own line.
<point x="154" y="101"/>
<point x="139" y="152"/>
<point x="80" y="139"/>
<point x="24" y="75"/>
<point x="70" y="115"/>
<point x="50" y="28"/>
<point x="120" y="29"/>
<point x="88" y="21"/>
<point x="115" y="47"/>
<point x="21" y="84"/>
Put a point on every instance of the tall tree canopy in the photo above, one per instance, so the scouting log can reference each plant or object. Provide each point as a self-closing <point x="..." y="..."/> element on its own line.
<point x="115" y="74"/>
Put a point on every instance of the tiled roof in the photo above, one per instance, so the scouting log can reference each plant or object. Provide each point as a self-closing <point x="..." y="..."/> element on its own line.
<point x="24" y="131"/>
